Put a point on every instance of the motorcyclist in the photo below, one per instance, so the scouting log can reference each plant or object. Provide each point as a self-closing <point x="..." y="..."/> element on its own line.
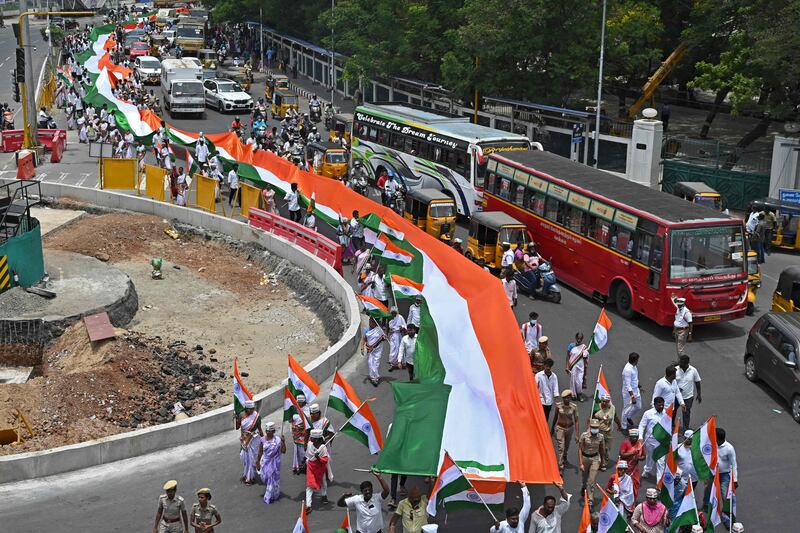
<point x="236" y="125"/>
<point x="315" y="101"/>
<point x="43" y="118"/>
<point x="458" y="245"/>
<point x="390" y="188"/>
<point x="313" y="135"/>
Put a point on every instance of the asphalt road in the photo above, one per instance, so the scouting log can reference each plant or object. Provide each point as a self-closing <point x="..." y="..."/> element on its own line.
<point x="8" y="46"/>
<point x="122" y="496"/>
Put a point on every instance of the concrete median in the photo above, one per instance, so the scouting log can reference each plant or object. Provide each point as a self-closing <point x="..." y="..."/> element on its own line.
<point x="143" y="441"/>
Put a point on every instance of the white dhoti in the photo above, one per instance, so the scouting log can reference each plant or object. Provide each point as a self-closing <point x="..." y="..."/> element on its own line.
<point x="299" y="456"/>
<point x="650" y="445"/>
<point x="374" y="362"/>
<point x="249" y="457"/>
<point x="576" y="379"/>
<point x="630" y="408"/>
<point x="394" y="347"/>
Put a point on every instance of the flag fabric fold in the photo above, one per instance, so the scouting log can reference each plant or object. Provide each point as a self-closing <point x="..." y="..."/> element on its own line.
<point x="374" y="307"/>
<point x="600" y="334"/>
<point x="240" y="392"/>
<point x="600" y="390"/>
<point x="362" y="424"/>
<point x="586" y="516"/>
<point x="704" y="449"/>
<point x="668" y="482"/>
<point x="301" y="382"/>
<point x="404" y="287"/>
<point x="662" y="432"/>
<point x="714" y="507"/>
<point x="687" y="511"/>
<point x="611" y="520"/>
<point x="291" y="408"/>
<point x="301" y="526"/>
<point x="449" y="482"/>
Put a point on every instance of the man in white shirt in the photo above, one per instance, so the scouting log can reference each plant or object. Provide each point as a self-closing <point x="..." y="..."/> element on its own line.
<point x="688" y="379"/>
<point x="685" y="461"/>
<point x="414" y="311"/>
<point x="397" y="325"/>
<point x="631" y="391"/>
<point x="650" y="420"/>
<point x="356" y="232"/>
<point x="408" y="348"/>
<point x="369" y="516"/>
<point x="547" y="382"/>
<point x="233" y="183"/>
<point x="515" y="519"/>
<point x="201" y="150"/>
<point x="547" y="518"/>
<point x="508" y="256"/>
<point x="293" y="203"/>
<point x="728" y="468"/>
<point x="682" y="325"/>
<point x="510" y="288"/>
<point x="752" y="221"/>
<point x="667" y="388"/>
<point x="531" y="331"/>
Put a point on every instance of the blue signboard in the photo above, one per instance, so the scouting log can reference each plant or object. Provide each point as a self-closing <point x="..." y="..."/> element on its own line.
<point x="790" y="196"/>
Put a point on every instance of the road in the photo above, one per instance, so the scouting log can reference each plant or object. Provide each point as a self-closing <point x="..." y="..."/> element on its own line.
<point x="122" y="496"/>
<point x="8" y="45"/>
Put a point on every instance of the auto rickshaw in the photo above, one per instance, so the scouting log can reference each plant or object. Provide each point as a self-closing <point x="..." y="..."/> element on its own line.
<point x="698" y="193"/>
<point x="753" y="280"/>
<point x="327" y="159"/>
<point x="433" y="211"/>
<point x="786" y="235"/>
<point x="208" y="58"/>
<point x="282" y="102"/>
<point x="155" y="44"/>
<point x="240" y="75"/>
<point x="488" y="230"/>
<point x="275" y="82"/>
<point x="786" y="297"/>
<point x="341" y="124"/>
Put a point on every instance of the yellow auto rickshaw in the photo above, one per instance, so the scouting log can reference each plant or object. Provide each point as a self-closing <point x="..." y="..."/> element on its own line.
<point x="787" y="215"/>
<point x="240" y="75"/>
<point x="155" y="44"/>
<point x="786" y="297"/>
<point x="341" y="124"/>
<point x="698" y="193"/>
<point x="488" y="231"/>
<point x="275" y="82"/>
<point x="433" y="211"/>
<point x="207" y="57"/>
<point x="327" y="159"/>
<point x="282" y="102"/>
<point x="753" y="280"/>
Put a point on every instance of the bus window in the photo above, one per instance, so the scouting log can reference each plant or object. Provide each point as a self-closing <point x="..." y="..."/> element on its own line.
<point x="575" y="220"/>
<point x="381" y="137"/>
<point x="519" y="194"/>
<point x="536" y="203"/>
<point x="461" y="163"/>
<point x="505" y="186"/>
<point x="513" y="236"/>
<point x="554" y="210"/>
<point x="600" y="230"/>
<point x="622" y="240"/>
<point x="644" y="243"/>
<point x="656" y="259"/>
<point x="489" y="182"/>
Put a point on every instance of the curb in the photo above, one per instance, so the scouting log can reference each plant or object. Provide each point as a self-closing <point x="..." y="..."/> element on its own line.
<point x="32" y="465"/>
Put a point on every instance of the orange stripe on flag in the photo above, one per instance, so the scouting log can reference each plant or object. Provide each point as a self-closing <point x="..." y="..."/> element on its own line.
<point x="365" y="411"/>
<point x="304" y="376"/>
<point x="239" y="379"/>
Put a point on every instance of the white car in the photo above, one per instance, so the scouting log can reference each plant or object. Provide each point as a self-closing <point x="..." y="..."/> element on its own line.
<point x="169" y="35"/>
<point x="149" y="69"/>
<point x="223" y="94"/>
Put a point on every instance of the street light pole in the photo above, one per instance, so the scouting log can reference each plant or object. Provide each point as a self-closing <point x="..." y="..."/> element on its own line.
<point x="333" y="57"/>
<point x="261" y="36"/>
<point x="27" y="92"/>
<point x="599" y="88"/>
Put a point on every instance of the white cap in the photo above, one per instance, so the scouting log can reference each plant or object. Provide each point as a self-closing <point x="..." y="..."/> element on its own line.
<point x="697" y="528"/>
<point x="688" y="434"/>
<point x="301" y="397"/>
<point x="737" y="527"/>
<point x="622" y="464"/>
<point x="270" y="426"/>
<point x="430" y="528"/>
<point x="314" y="408"/>
<point x="296" y="419"/>
<point x="316" y="433"/>
<point x="680" y="300"/>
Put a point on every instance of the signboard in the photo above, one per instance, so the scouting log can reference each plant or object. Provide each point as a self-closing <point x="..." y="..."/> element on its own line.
<point x="558" y="192"/>
<point x="626" y="220"/>
<point x="577" y="132"/>
<point x="538" y="184"/>
<point x="602" y="210"/>
<point x="578" y="200"/>
<point x="410" y="131"/>
<point x="100" y="150"/>
<point x="790" y="196"/>
<point x="505" y="170"/>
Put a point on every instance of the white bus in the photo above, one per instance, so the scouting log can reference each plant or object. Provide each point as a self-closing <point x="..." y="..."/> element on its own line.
<point x="430" y="150"/>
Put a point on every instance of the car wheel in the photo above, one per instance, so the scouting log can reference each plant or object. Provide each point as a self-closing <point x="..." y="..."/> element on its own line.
<point x="624" y="301"/>
<point x="796" y="408"/>
<point x="750" y="309"/>
<point x="750" y="371"/>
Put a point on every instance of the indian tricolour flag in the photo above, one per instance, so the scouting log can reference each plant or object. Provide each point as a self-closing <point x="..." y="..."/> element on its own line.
<point x="586" y="516"/>
<point x="687" y="512"/>
<point x="240" y="392"/>
<point x="301" y="526"/>
<point x="704" y="449"/>
<point x="389" y="250"/>
<point x="362" y="425"/>
<point x="663" y="434"/>
<point x="300" y="382"/>
<point x="600" y="334"/>
<point x="666" y="485"/>
<point x="714" y="508"/>
<point x="345" y="527"/>
<point x="611" y="520"/>
<point x="449" y="482"/>
<point x="493" y="493"/>
<point x="377" y="224"/>
<point x="373" y="307"/>
<point x="291" y="408"/>
<point x="600" y="390"/>
<point x="404" y="287"/>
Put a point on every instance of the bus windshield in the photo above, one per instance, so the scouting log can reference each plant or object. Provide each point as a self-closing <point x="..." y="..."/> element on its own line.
<point x="708" y="251"/>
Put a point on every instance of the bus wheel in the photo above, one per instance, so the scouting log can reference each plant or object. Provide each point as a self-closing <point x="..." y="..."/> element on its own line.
<point x="622" y="298"/>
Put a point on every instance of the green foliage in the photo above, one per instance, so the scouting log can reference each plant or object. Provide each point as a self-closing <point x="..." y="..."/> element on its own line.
<point x="56" y="34"/>
<point x="633" y="34"/>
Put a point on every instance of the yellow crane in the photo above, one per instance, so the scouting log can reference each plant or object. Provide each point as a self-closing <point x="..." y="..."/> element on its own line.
<point x="656" y="79"/>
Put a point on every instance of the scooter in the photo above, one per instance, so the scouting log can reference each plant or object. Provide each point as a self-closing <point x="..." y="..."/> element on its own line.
<point x="397" y="202"/>
<point x="315" y="111"/>
<point x="545" y="285"/>
<point x="358" y="179"/>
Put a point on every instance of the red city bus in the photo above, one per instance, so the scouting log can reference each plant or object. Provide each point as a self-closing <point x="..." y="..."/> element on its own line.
<point x="621" y="242"/>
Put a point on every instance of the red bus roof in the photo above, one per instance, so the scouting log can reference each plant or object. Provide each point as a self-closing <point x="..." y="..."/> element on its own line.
<point x="643" y="201"/>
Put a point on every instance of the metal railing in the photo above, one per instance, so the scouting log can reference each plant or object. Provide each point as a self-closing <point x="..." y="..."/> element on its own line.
<point x="716" y="154"/>
<point x="16" y="200"/>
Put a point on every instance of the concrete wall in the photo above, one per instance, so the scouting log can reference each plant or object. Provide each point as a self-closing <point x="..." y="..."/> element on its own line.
<point x="117" y="447"/>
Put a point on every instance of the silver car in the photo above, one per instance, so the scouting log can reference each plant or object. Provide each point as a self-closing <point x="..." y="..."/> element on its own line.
<point x="223" y="95"/>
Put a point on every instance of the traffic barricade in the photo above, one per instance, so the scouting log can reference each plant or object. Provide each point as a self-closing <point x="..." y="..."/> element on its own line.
<point x="46" y="137"/>
<point x="249" y="197"/>
<point x="25" y="166"/>
<point x="118" y="173"/>
<point x="12" y="140"/>
<point x="206" y="198"/>
<point x="57" y="150"/>
<point x="308" y="239"/>
<point x="155" y="182"/>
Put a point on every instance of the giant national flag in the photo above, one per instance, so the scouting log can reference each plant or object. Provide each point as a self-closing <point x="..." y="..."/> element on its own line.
<point x="449" y="482"/>
<point x="240" y="392"/>
<point x="714" y="508"/>
<point x="704" y="449"/>
<point x="404" y="287"/>
<point x="611" y="520"/>
<point x="600" y="334"/>
<point x="300" y="382"/>
<point x="663" y="434"/>
<point x="374" y="307"/>
<point x="362" y="424"/>
<point x="687" y="512"/>
<point x="301" y="526"/>
<point x="600" y="390"/>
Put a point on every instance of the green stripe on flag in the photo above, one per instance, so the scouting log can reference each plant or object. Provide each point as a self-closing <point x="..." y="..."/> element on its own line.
<point x="354" y="432"/>
<point x="338" y="405"/>
<point x="480" y="466"/>
<point x="455" y="487"/>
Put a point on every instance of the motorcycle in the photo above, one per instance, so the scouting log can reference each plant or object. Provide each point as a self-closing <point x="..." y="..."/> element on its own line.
<point x="358" y="179"/>
<point x="49" y="124"/>
<point x="540" y="284"/>
<point x="315" y="111"/>
<point x="397" y="202"/>
<point x="8" y="119"/>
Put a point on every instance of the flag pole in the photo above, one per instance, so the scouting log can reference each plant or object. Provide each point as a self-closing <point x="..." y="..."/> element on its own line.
<point x="473" y="487"/>
<point x="622" y="515"/>
<point x="696" y="512"/>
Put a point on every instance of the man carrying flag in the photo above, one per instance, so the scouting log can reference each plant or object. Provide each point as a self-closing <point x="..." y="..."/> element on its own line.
<point x="654" y="431"/>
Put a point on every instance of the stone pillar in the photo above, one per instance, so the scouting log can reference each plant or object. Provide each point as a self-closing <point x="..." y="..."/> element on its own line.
<point x="644" y="152"/>
<point x="785" y="171"/>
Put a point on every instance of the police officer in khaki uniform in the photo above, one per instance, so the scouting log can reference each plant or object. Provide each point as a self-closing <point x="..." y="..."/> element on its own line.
<point x="171" y="516"/>
<point x="606" y="414"/>
<point x="204" y="516"/>
<point x="564" y="426"/>
<point x="591" y="446"/>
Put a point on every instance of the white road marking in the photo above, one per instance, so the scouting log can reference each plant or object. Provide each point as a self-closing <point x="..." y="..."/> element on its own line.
<point x="9" y="57"/>
<point x="41" y="176"/>
<point x="80" y="183"/>
<point x="62" y="177"/>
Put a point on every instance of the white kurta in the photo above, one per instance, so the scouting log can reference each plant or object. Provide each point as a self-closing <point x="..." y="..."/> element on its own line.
<point x="396" y="327"/>
<point x="374" y="338"/>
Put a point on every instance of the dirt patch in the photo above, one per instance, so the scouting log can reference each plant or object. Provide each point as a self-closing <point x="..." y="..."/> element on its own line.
<point x="219" y="299"/>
